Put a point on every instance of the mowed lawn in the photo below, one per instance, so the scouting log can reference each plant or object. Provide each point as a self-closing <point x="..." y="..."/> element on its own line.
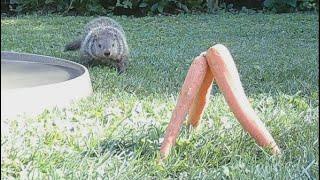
<point x="116" y="133"/>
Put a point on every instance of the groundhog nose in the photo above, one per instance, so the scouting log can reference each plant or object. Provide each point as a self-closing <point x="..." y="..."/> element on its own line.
<point x="107" y="53"/>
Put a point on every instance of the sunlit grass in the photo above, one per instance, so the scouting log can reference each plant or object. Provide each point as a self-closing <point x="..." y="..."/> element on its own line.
<point x="117" y="132"/>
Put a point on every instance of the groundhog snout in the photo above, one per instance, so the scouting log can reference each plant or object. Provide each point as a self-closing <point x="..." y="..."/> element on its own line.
<point x="107" y="53"/>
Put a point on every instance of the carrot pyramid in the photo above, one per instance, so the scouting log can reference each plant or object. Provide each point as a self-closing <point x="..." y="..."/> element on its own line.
<point x="215" y="64"/>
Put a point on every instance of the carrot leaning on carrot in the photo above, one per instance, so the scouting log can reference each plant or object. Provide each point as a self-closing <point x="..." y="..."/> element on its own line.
<point x="217" y="64"/>
<point x="201" y="100"/>
<point x="188" y="92"/>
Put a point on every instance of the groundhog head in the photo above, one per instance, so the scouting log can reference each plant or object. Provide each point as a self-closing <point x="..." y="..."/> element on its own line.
<point x="105" y="45"/>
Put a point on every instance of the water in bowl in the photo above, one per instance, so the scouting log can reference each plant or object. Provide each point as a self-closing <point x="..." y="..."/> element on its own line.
<point x="21" y="74"/>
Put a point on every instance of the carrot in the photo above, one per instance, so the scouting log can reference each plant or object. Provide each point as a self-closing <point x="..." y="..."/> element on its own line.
<point x="227" y="78"/>
<point x="188" y="92"/>
<point x="201" y="100"/>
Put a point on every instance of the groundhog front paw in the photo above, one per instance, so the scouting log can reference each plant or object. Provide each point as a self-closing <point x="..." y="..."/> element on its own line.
<point x="121" y="67"/>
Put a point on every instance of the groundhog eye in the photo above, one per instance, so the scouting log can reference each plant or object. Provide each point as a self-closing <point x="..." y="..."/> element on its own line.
<point x="112" y="45"/>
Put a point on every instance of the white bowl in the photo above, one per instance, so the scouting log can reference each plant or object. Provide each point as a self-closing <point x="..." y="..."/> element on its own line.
<point x="32" y="83"/>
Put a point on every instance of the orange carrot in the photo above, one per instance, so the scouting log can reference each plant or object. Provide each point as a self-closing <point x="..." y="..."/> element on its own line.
<point x="201" y="100"/>
<point x="227" y="77"/>
<point x="188" y="93"/>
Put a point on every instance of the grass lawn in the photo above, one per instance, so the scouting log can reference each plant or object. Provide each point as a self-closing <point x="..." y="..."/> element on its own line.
<point x="116" y="133"/>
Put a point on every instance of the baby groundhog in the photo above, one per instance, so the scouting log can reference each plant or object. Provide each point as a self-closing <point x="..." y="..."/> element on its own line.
<point x="103" y="41"/>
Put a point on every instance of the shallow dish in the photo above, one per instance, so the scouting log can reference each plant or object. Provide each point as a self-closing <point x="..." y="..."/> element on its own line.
<point x="31" y="83"/>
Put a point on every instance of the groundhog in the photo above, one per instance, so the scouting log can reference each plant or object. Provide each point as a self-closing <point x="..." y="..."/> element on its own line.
<point x="103" y="41"/>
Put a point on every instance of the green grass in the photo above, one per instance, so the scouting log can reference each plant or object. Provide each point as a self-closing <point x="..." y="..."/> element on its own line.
<point x="116" y="133"/>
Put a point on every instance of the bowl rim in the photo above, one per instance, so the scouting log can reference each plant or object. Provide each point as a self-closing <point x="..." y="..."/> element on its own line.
<point x="35" y="99"/>
<point x="49" y="60"/>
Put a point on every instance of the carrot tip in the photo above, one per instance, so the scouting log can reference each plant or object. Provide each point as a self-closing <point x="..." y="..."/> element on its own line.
<point x="220" y="48"/>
